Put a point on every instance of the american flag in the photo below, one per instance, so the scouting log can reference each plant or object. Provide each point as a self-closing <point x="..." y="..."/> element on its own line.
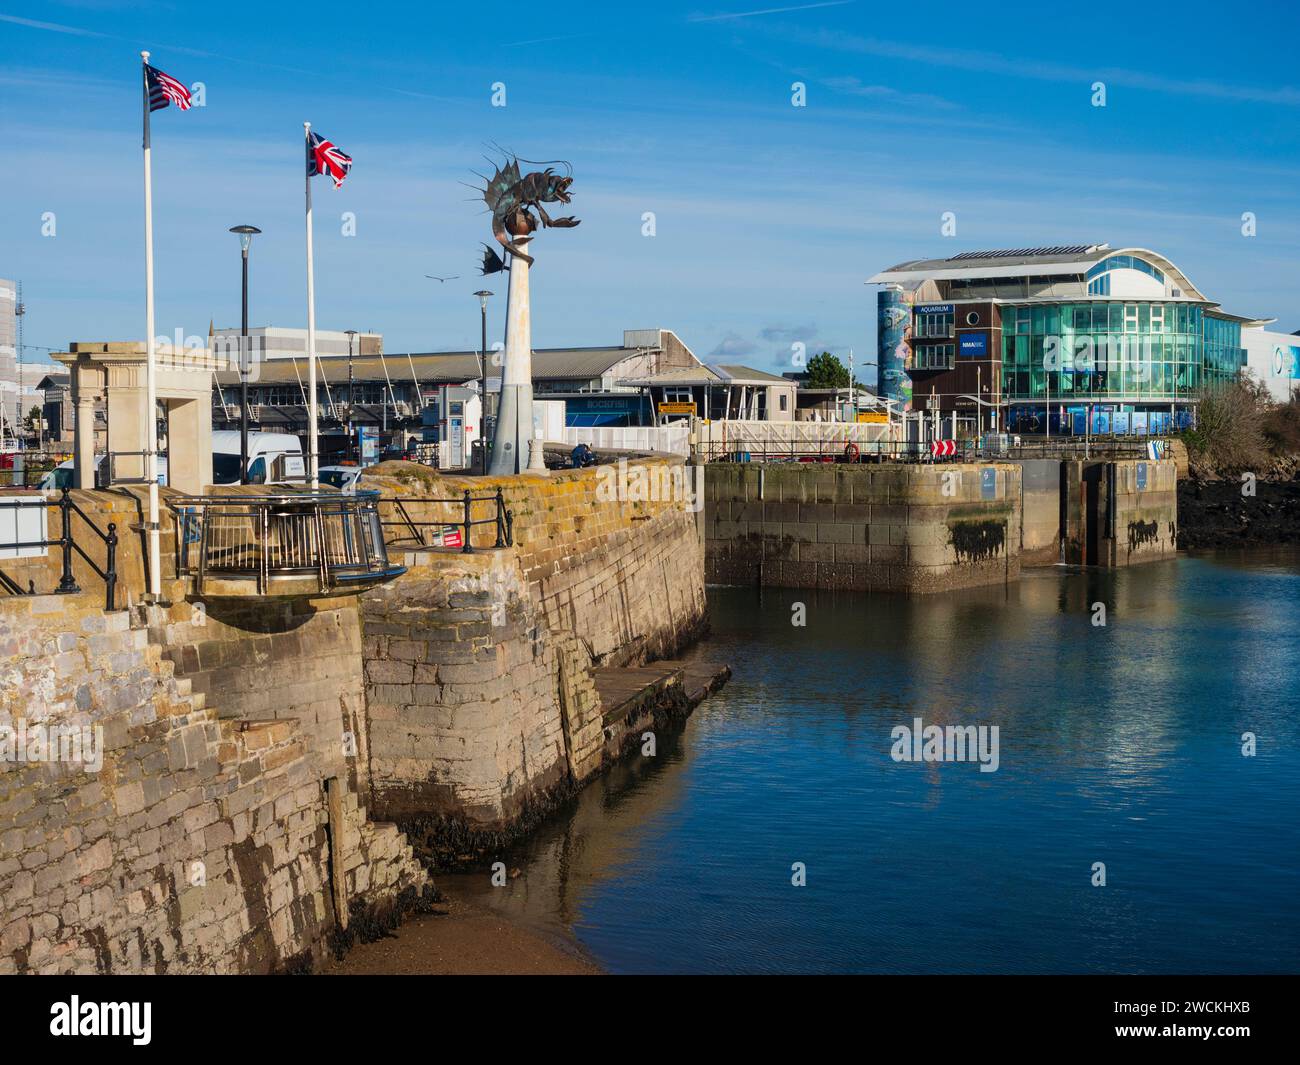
<point x="164" y="89"/>
<point x="324" y="157"/>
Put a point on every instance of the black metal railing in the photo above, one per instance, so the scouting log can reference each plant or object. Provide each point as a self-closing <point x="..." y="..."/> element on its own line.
<point x="502" y="520"/>
<point x="334" y="538"/>
<point x="67" y="545"/>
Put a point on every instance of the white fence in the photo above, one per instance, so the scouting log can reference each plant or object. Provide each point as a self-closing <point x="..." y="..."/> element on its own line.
<point x="719" y="439"/>
<point x="674" y="438"/>
<point x="722" y="438"/>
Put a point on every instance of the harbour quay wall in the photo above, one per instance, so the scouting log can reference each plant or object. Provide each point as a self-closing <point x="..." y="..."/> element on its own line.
<point x="164" y="838"/>
<point x="1040" y="511"/>
<point x="1119" y="512"/>
<point x="611" y="553"/>
<point x="480" y="701"/>
<point x="249" y="742"/>
<point x="899" y="527"/>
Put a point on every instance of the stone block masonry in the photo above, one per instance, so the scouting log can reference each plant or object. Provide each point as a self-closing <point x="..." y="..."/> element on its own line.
<point x="246" y="739"/>
<point x="197" y="845"/>
<point x="266" y="659"/>
<point x="622" y="575"/>
<point x="479" y="696"/>
<point x="909" y="528"/>
<point x="461" y="692"/>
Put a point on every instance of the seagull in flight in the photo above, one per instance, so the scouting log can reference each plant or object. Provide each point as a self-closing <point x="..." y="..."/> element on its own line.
<point x="433" y="277"/>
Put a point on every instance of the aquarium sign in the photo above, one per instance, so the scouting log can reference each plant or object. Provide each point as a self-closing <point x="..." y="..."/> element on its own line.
<point x="934" y="308"/>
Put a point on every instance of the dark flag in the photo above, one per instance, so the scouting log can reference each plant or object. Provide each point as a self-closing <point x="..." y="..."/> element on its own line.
<point x="164" y="89"/>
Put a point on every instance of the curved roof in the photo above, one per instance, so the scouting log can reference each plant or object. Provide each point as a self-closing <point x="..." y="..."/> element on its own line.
<point x="1170" y="270"/>
<point x="1027" y="262"/>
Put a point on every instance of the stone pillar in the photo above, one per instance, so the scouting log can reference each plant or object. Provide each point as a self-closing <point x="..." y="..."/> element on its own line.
<point x="189" y="445"/>
<point x="83" y="399"/>
<point x="515" y="415"/>
<point x="127" y="425"/>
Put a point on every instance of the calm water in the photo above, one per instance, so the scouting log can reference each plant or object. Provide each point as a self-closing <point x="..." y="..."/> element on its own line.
<point x="1119" y="744"/>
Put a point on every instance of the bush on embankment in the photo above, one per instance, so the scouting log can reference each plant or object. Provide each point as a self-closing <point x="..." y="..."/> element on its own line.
<point x="1240" y="429"/>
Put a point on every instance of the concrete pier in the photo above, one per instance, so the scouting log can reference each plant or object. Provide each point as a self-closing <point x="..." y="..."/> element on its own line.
<point x="924" y="528"/>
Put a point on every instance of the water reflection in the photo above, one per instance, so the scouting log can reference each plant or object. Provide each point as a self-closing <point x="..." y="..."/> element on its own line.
<point x="1119" y="743"/>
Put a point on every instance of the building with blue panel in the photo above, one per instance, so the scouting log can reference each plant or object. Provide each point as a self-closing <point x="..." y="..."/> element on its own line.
<point x="1066" y="338"/>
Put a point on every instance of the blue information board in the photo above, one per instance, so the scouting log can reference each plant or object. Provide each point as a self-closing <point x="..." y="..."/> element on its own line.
<point x="988" y="483"/>
<point x="971" y="345"/>
<point x="369" y="437"/>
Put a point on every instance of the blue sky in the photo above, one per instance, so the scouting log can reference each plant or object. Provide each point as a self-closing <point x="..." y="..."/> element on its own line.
<point x="768" y="217"/>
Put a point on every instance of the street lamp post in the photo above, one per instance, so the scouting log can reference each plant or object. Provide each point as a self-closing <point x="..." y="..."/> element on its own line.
<point x="245" y="234"/>
<point x="483" y="295"/>
<point x="351" y="333"/>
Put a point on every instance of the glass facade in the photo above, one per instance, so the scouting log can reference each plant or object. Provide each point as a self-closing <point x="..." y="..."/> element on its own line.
<point x="1125" y="262"/>
<point x="1099" y="275"/>
<point x="1101" y="350"/>
<point x="932" y="324"/>
<point x="932" y="356"/>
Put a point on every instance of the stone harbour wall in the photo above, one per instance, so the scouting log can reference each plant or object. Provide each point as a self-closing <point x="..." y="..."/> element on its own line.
<point x="479" y="694"/>
<point x="910" y="528"/>
<point x="265" y="659"/>
<point x="619" y="570"/>
<point x="248" y="740"/>
<point x="461" y="691"/>
<point x="196" y="844"/>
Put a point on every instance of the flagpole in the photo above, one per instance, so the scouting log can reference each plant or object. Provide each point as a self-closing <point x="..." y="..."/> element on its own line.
<point x="150" y="372"/>
<point x="311" y="329"/>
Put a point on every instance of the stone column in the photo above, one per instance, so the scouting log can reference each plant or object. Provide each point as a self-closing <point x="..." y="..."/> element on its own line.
<point x="83" y="428"/>
<point x="189" y="445"/>
<point x="514" y="426"/>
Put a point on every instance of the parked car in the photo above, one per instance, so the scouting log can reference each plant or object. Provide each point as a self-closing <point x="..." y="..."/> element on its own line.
<point x="344" y="478"/>
<point x="62" y="475"/>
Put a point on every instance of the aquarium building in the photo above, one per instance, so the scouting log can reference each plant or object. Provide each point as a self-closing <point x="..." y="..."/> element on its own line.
<point x="1059" y="338"/>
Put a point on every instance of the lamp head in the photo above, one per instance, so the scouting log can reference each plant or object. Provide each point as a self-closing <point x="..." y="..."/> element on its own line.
<point x="245" y="234"/>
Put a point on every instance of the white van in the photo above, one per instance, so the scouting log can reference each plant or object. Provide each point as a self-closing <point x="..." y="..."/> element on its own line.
<point x="273" y="458"/>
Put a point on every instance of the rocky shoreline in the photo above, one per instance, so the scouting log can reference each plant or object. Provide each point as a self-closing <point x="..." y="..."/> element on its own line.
<point x="1215" y="514"/>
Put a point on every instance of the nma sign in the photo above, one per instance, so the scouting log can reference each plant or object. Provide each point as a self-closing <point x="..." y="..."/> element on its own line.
<point x="971" y="345"/>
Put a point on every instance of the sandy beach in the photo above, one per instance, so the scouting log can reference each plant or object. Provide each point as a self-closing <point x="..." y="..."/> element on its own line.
<point x="461" y="939"/>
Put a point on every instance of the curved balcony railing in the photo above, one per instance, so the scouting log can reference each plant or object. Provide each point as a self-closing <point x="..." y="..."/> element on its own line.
<point x="327" y="538"/>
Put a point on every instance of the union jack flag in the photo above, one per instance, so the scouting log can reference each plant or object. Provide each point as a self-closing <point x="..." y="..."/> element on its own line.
<point x="324" y="157"/>
<point x="164" y="89"/>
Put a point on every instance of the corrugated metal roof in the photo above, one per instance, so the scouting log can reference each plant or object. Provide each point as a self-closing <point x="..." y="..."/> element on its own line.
<point x="746" y="374"/>
<point x="967" y="260"/>
<point x="712" y="374"/>
<point x="443" y="367"/>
